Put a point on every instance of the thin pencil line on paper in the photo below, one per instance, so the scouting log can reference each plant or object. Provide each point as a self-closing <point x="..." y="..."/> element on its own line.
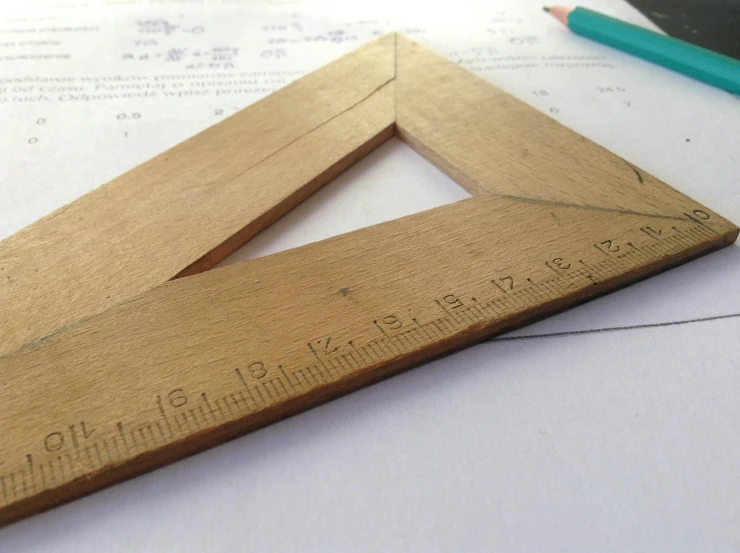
<point x="614" y="328"/>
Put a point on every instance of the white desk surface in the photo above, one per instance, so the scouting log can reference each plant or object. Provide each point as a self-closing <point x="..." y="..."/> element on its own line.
<point x="622" y="440"/>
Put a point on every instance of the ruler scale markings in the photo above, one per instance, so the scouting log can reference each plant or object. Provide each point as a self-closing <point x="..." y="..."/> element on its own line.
<point x="52" y="472"/>
<point x="284" y="389"/>
<point x="204" y="396"/>
<point x="416" y="336"/>
<point x="437" y="328"/>
<point x="350" y="356"/>
<point x="29" y="460"/>
<point x="344" y="361"/>
<point x="313" y="371"/>
<point x="236" y="399"/>
<point x="44" y="485"/>
<point x="133" y="442"/>
<point x="612" y="265"/>
<point x="475" y="312"/>
<point x="404" y="341"/>
<point x="707" y="232"/>
<point x="556" y="287"/>
<point x="303" y="378"/>
<point x="588" y="271"/>
<point x="284" y="386"/>
<point x="389" y="346"/>
<point x="73" y="469"/>
<point x="411" y="339"/>
<point x="440" y="327"/>
<point x="316" y="369"/>
<point x="495" y="307"/>
<point x="672" y="243"/>
<point x="13" y="494"/>
<point x="640" y="254"/>
<point x="287" y="379"/>
<point x="277" y="387"/>
<point x="377" y="350"/>
<point x="162" y="414"/>
<point x="690" y="235"/>
<point x="321" y="362"/>
<point x="532" y="299"/>
<point x="370" y="353"/>
<point x="226" y="406"/>
<point x="644" y="231"/>
<point x="421" y="336"/>
<point x="681" y="239"/>
<point x="701" y="223"/>
<point x="697" y="235"/>
<point x="193" y="413"/>
<point x="497" y="285"/>
<point x="258" y="393"/>
<point x="186" y="422"/>
<point x="113" y="459"/>
<point x="463" y="316"/>
<point x="423" y="328"/>
<point x="507" y="304"/>
<point x="359" y="354"/>
<point x="60" y="462"/>
<point x="487" y="311"/>
<point x="179" y="424"/>
<point x="152" y="435"/>
<point x="451" y="316"/>
<point x="333" y="371"/>
<point x="586" y="274"/>
<point x="24" y="486"/>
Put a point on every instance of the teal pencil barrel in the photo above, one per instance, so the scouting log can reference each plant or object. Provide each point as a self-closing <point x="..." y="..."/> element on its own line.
<point x="694" y="61"/>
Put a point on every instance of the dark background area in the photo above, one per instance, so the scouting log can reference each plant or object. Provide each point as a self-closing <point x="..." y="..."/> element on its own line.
<point x="713" y="24"/>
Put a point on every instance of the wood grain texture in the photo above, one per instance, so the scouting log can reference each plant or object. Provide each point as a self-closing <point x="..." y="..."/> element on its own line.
<point x="186" y="209"/>
<point x="450" y="116"/>
<point x="192" y="362"/>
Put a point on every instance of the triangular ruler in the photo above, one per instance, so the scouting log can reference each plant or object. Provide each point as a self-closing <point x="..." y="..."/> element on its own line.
<point x="112" y="365"/>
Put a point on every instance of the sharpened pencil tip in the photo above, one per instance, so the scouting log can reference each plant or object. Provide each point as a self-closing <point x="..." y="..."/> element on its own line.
<point x="545" y="9"/>
<point x="560" y="13"/>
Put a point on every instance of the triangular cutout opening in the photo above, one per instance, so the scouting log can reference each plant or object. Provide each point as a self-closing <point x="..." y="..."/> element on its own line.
<point x="391" y="182"/>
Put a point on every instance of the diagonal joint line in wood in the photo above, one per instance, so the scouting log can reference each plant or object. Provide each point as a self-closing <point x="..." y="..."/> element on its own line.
<point x="110" y="365"/>
<point x="586" y="206"/>
<point x="389" y="81"/>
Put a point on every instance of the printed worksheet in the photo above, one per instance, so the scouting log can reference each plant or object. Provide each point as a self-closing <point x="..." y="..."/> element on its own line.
<point x="610" y="427"/>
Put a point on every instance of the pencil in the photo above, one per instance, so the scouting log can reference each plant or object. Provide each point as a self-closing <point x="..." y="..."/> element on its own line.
<point x="693" y="61"/>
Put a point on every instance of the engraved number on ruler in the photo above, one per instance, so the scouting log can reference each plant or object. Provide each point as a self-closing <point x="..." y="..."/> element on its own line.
<point x="73" y="449"/>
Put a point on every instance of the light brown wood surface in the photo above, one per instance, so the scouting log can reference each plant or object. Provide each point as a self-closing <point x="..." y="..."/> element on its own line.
<point x="186" y="209"/>
<point x="95" y="389"/>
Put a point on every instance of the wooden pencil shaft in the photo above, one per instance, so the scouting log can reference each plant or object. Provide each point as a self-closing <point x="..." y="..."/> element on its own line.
<point x="691" y="60"/>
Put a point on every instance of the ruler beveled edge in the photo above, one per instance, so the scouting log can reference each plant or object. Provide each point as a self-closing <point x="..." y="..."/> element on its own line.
<point x="193" y="443"/>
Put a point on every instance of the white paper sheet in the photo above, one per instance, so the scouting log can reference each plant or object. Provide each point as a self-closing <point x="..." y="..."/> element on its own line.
<point x="622" y="440"/>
